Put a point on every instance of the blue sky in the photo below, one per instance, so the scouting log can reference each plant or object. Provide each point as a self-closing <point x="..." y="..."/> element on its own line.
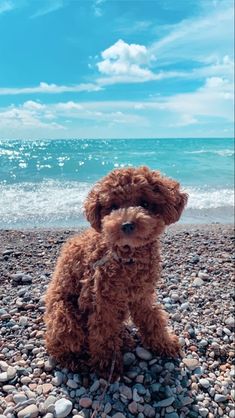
<point x="116" y="68"/>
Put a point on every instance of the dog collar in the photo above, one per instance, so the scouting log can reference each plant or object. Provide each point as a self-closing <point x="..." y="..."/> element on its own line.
<point x="113" y="255"/>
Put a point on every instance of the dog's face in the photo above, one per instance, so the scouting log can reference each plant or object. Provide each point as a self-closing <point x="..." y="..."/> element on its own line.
<point x="132" y="206"/>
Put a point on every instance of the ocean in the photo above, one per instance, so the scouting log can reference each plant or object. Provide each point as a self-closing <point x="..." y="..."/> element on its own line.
<point x="44" y="183"/>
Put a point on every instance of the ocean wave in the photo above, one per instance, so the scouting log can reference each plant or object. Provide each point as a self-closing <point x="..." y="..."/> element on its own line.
<point x="221" y="152"/>
<point x="56" y="203"/>
<point x="48" y="202"/>
<point x="201" y="198"/>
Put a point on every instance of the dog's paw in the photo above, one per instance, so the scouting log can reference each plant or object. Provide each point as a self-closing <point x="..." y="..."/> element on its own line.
<point x="172" y="347"/>
<point x="73" y="362"/>
<point x="129" y="342"/>
<point x="169" y="347"/>
<point x="109" y="369"/>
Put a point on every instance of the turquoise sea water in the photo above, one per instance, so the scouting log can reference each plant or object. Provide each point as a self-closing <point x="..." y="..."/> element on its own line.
<point x="44" y="183"/>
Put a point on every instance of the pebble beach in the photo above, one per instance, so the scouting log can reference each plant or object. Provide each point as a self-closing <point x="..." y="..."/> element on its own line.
<point x="197" y="290"/>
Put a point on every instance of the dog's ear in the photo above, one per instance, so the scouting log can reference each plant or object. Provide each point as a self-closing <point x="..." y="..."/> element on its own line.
<point x="93" y="208"/>
<point x="173" y="199"/>
<point x="174" y="207"/>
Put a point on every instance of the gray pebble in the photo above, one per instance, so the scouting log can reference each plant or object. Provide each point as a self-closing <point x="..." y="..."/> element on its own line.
<point x="198" y="282"/>
<point x="220" y="398"/>
<point x="165" y="402"/>
<point x="136" y="397"/>
<point x="185" y="306"/>
<point x="72" y="384"/>
<point x="49" y="364"/>
<point x="175" y="296"/>
<point x="230" y="322"/>
<point x="204" y="383"/>
<point x="3" y="365"/>
<point x="149" y="411"/>
<point x="30" y="411"/>
<point x="203" y="343"/>
<point x="227" y="331"/>
<point x="19" y="397"/>
<point x="169" y="366"/>
<point x="9" y="388"/>
<point x="49" y="402"/>
<point x="125" y="391"/>
<point x="80" y="392"/>
<point x="133" y="407"/>
<point x="140" y="389"/>
<point x="107" y="407"/>
<point x="95" y="386"/>
<point x="63" y="407"/>
<point x="23" y="321"/>
<point x="186" y="400"/>
<point x="198" y="371"/>
<point x="25" y="380"/>
<point x="9" y="374"/>
<point x="128" y="359"/>
<point x="203" y="412"/>
<point x="58" y="379"/>
<point x="26" y="278"/>
<point x="143" y="354"/>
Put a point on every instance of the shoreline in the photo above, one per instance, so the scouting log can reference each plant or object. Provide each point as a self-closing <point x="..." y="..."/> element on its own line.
<point x="179" y="226"/>
<point x="196" y="289"/>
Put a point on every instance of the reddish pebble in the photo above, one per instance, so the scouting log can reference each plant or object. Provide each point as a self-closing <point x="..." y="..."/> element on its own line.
<point x="85" y="402"/>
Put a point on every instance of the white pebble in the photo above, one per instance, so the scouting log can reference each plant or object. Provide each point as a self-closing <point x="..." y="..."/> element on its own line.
<point x="204" y="383"/>
<point x="63" y="407"/>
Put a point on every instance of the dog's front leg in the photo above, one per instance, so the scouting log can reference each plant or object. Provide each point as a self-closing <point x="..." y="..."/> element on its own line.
<point x="151" y="320"/>
<point x="105" y="327"/>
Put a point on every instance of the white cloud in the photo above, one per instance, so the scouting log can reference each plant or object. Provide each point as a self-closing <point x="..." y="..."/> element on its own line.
<point x="97" y="7"/>
<point x="69" y="106"/>
<point x="95" y="112"/>
<point x="18" y="118"/>
<point x="126" y="62"/>
<point x="183" y="114"/>
<point x="49" y="88"/>
<point x="214" y="100"/>
<point x="162" y="75"/>
<point x="206" y="41"/>
<point x="185" y="120"/>
<point x="31" y="105"/>
<point x="54" y="117"/>
<point x="49" y="7"/>
<point x="215" y="67"/>
<point x="209" y="34"/>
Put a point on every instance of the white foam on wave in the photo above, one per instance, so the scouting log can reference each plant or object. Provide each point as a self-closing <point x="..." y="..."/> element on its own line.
<point x="200" y="198"/>
<point x="55" y="203"/>
<point x="49" y="202"/>
<point x="221" y="152"/>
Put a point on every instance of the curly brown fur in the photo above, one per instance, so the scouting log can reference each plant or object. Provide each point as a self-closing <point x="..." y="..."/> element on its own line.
<point x="110" y="271"/>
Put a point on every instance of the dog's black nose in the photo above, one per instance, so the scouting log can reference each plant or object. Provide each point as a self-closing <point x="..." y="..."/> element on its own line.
<point x="128" y="227"/>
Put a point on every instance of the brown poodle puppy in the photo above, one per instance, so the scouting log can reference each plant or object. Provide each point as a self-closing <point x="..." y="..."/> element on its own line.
<point x="109" y="272"/>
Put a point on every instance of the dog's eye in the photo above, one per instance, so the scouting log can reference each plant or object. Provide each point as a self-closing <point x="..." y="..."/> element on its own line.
<point x="113" y="207"/>
<point x="144" y="204"/>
